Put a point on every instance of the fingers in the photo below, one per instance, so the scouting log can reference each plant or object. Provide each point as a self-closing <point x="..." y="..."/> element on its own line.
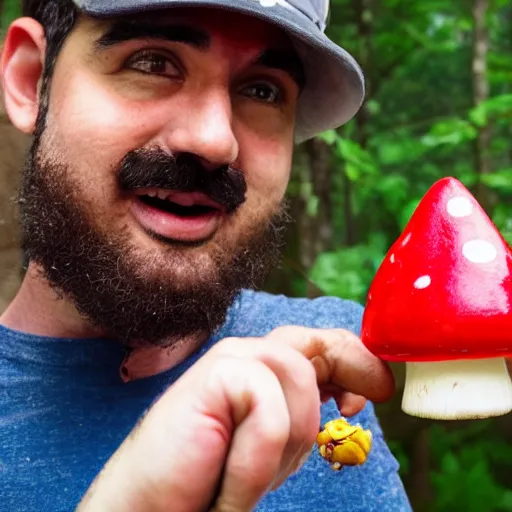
<point x="308" y="363"/>
<point x="297" y="378"/>
<point x="262" y="431"/>
<point x="340" y="358"/>
<point x="350" y="404"/>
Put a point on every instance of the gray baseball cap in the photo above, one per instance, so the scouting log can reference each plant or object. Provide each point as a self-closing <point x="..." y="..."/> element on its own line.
<point x="334" y="90"/>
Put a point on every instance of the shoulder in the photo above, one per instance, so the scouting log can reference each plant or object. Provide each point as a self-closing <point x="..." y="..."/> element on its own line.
<point x="260" y="312"/>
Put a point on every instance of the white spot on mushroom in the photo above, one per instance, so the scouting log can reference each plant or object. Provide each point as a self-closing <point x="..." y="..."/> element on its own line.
<point x="479" y="251"/>
<point x="392" y="258"/>
<point x="459" y="207"/>
<point x="422" y="282"/>
<point x="406" y="240"/>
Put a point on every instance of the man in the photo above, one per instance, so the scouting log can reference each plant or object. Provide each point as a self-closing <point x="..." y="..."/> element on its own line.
<point x="152" y="202"/>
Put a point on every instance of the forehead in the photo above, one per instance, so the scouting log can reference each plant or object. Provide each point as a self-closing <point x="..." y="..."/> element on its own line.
<point x="229" y="29"/>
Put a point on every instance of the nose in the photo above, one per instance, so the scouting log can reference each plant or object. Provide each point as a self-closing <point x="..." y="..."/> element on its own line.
<point x="205" y="130"/>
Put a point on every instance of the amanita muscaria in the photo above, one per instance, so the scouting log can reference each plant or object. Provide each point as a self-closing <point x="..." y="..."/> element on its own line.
<point x="442" y="303"/>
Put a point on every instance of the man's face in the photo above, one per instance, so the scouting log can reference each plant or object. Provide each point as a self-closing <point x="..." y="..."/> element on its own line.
<point x="156" y="189"/>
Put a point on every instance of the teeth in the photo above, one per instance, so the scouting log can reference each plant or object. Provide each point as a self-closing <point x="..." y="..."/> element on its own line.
<point x="163" y="194"/>
<point x="186" y="200"/>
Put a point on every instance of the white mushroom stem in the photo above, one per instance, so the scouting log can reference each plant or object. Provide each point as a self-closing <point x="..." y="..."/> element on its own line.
<point x="457" y="390"/>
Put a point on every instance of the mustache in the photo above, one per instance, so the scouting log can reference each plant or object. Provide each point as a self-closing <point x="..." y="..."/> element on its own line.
<point x="154" y="168"/>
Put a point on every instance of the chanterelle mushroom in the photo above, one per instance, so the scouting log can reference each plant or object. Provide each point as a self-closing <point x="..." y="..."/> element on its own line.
<point x="343" y="444"/>
<point x="442" y="302"/>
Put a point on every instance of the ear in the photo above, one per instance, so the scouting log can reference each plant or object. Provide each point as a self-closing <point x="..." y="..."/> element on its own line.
<point x="21" y="66"/>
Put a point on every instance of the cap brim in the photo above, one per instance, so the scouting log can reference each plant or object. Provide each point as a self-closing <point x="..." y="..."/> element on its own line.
<point x="335" y="88"/>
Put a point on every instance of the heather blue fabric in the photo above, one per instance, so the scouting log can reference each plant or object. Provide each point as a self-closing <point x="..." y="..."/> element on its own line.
<point x="64" y="410"/>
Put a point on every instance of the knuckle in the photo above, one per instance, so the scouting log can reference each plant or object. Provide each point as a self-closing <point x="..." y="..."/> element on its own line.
<point x="228" y="346"/>
<point x="347" y="336"/>
<point x="299" y="367"/>
<point x="301" y="371"/>
<point x="228" y="366"/>
<point x="289" y="331"/>
<point x="282" y="330"/>
<point x="222" y="366"/>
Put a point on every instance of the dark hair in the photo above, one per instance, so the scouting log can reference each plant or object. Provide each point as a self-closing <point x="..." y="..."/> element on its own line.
<point x="58" y="18"/>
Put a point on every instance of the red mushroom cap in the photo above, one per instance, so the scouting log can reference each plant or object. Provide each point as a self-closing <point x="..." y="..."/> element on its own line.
<point x="444" y="289"/>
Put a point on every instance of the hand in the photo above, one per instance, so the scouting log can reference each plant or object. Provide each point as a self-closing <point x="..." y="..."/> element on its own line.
<point x="238" y="423"/>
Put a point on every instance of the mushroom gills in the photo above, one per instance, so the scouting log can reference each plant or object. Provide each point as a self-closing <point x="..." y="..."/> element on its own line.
<point x="457" y="390"/>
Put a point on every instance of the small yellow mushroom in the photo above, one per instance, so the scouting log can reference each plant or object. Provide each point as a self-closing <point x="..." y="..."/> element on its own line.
<point x="339" y="429"/>
<point x="342" y="444"/>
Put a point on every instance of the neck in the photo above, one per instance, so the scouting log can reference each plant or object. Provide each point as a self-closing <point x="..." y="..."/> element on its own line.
<point x="38" y="310"/>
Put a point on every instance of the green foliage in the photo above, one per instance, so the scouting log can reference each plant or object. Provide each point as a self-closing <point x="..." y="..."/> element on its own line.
<point x="451" y="132"/>
<point x="464" y="479"/>
<point x="502" y="217"/>
<point x="401" y="455"/>
<point x="420" y="123"/>
<point x="347" y="273"/>
<point x="11" y="10"/>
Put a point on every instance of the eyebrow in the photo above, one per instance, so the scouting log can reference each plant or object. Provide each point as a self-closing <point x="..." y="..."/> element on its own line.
<point x="123" y="31"/>
<point x="283" y="60"/>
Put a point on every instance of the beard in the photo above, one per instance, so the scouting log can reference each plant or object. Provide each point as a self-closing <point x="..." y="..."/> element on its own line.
<point x="144" y="296"/>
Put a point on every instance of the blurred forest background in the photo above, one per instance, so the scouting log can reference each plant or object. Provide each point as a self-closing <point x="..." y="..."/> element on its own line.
<point x="439" y="104"/>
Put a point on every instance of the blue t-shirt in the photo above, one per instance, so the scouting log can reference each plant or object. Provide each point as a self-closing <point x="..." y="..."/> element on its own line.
<point x="64" y="410"/>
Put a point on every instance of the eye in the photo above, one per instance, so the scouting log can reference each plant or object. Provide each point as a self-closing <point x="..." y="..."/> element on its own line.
<point x="265" y="92"/>
<point x="153" y="63"/>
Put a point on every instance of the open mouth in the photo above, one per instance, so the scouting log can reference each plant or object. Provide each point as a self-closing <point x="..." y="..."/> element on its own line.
<point x="181" y="204"/>
<point x="167" y="206"/>
<point x="188" y="217"/>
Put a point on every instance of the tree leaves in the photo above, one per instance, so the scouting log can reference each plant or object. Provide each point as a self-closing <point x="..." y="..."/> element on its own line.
<point x="420" y="124"/>
<point x="9" y="10"/>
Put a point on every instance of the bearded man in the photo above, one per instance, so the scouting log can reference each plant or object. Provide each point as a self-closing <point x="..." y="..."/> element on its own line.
<point x="152" y="207"/>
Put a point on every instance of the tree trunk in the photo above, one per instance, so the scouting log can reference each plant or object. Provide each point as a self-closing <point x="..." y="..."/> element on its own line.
<point x="320" y="165"/>
<point x="313" y="164"/>
<point x="304" y="222"/>
<point x="364" y="21"/>
<point x="350" y="229"/>
<point x="480" y="94"/>
<point x="311" y="232"/>
<point x="364" y="14"/>
<point x="420" y="490"/>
